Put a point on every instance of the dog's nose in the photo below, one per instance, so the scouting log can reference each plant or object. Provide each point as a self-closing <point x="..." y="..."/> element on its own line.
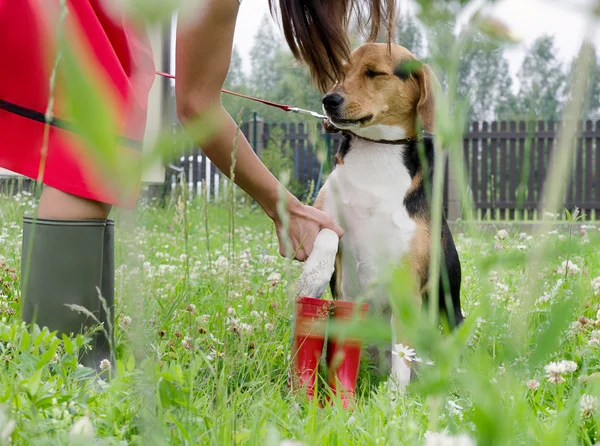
<point x="332" y="101"/>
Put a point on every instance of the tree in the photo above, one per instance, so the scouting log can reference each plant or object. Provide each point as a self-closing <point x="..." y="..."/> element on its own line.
<point x="484" y="77"/>
<point x="410" y="35"/>
<point x="263" y="57"/>
<point x="235" y="77"/>
<point x="543" y="82"/>
<point x="592" y="109"/>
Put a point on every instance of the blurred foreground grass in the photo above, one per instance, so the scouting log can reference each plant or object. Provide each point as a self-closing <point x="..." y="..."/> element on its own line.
<point x="203" y="343"/>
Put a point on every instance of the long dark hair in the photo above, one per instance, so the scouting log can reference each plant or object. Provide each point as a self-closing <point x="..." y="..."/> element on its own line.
<point x="317" y="31"/>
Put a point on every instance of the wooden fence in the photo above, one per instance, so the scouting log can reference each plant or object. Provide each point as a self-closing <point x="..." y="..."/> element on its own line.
<point x="507" y="165"/>
<point x="506" y="162"/>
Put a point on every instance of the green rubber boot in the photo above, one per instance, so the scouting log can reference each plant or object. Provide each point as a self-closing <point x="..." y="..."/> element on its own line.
<point x="63" y="263"/>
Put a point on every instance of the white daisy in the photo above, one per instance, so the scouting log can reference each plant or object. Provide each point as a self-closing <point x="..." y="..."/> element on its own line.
<point x="404" y="351"/>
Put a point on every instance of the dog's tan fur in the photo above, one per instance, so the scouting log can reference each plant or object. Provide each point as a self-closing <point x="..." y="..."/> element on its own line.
<point x="389" y="99"/>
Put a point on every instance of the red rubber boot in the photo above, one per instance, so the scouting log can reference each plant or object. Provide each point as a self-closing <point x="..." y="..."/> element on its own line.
<point x="308" y="341"/>
<point x="343" y="355"/>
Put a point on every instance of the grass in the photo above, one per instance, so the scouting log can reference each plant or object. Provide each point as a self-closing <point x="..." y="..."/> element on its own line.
<point x="203" y="356"/>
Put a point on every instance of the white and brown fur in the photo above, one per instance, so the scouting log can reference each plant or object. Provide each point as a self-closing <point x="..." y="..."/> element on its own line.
<point x="377" y="190"/>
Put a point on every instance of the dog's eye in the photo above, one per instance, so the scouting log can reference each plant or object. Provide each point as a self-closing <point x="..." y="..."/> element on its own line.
<point x="373" y="73"/>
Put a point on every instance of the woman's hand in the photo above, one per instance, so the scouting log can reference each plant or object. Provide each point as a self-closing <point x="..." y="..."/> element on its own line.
<point x="305" y="222"/>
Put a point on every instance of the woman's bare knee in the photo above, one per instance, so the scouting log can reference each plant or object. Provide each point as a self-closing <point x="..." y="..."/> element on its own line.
<point x="59" y="205"/>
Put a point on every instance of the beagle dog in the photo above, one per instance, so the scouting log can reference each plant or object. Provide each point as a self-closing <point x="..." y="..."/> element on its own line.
<point x="377" y="190"/>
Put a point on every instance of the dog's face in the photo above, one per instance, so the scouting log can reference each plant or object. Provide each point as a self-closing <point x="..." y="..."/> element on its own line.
<point x="383" y="94"/>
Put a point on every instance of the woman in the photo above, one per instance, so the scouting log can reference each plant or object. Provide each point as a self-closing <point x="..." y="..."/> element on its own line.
<point x="72" y="255"/>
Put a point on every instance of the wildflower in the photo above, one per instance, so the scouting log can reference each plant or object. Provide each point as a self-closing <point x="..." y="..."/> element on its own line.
<point x="502" y="234"/>
<point x="569" y="366"/>
<point x="405" y="352"/>
<point x="455" y="409"/>
<point x="231" y="312"/>
<point x="83" y="427"/>
<point x="126" y="320"/>
<point x="246" y="328"/>
<point x="596" y="287"/>
<point x="250" y="299"/>
<point x="568" y="266"/>
<point x="269" y="327"/>
<point x="183" y="257"/>
<point x="522" y="236"/>
<point x="105" y="365"/>
<point x="274" y="279"/>
<point x="443" y="439"/>
<point x="554" y="373"/>
<point x="588" y="404"/>
<point x="532" y="384"/>
<point x="191" y="308"/>
<point x="187" y="343"/>
<point x="576" y="327"/>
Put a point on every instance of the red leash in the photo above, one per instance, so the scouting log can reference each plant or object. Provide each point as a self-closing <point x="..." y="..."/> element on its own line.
<point x="283" y="107"/>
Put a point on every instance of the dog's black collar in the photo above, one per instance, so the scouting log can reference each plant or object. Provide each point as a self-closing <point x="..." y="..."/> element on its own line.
<point x="330" y="128"/>
<point x="394" y="142"/>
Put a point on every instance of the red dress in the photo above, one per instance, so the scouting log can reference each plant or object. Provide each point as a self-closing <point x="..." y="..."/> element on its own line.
<point x="117" y="57"/>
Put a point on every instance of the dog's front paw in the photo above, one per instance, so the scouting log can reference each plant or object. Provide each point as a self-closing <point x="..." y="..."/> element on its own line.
<point x="319" y="267"/>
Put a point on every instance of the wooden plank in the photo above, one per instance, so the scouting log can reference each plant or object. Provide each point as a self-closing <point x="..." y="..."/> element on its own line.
<point x="531" y="192"/>
<point x="502" y="174"/>
<point x="589" y="166"/>
<point x="524" y="168"/>
<point x="301" y="141"/>
<point x="542" y="160"/>
<point x="579" y="175"/>
<point x="485" y="151"/>
<point x="493" y="177"/>
<point x="597" y="171"/>
<point x="475" y="164"/>
<point x="512" y="169"/>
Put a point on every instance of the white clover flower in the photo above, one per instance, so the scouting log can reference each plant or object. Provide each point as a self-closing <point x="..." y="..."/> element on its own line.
<point x="250" y="299"/>
<point x="533" y="384"/>
<point x="274" y="279"/>
<point x="588" y="404"/>
<point x="455" y="409"/>
<point x="569" y="266"/>
<point x="405" y="352"/>
<point x="569" y="366"/>
<point x="83" y="427"/>
<point x="105" y="365"/>
<point x="502" y="234"/>
<point x="596" y="287"/>
<point x="231" y="312"/>
<point x="576" y="327"/>
<point x="269" y="327"/>
<point x="443" y="439"/>
<point x="126" y="320"/>
<point x="246" y="328"/>
<point x="187" y="343"/>
<point x="522" y="236"/>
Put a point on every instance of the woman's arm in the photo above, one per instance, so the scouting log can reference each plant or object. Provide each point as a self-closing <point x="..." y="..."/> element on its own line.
<point x="204" y="46"/>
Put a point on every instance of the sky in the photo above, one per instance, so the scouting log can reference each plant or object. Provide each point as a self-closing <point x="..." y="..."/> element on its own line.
<point x="566" y="20"/>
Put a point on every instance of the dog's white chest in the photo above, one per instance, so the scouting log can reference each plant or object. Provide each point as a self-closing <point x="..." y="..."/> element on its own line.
<point x="366" y="195"/>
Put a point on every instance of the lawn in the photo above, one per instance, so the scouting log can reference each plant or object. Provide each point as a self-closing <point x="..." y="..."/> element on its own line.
<point x="203" y="332"/>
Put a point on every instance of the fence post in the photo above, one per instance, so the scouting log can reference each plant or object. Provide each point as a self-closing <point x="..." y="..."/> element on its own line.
<point x="454" y="204"/>
<point x="255" y="134"/>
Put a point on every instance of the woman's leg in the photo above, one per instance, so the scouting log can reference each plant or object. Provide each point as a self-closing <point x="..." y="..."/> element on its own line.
<point x="59" y="205"/>
<point x="67" y="257"/>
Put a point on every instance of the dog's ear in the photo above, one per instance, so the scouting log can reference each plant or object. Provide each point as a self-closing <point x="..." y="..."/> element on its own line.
<point x="426" y="105"/>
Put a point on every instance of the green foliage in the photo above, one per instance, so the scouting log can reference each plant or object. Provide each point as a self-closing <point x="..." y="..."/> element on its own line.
<point x="278" y="156"/>
<point x="214" y="364"/>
